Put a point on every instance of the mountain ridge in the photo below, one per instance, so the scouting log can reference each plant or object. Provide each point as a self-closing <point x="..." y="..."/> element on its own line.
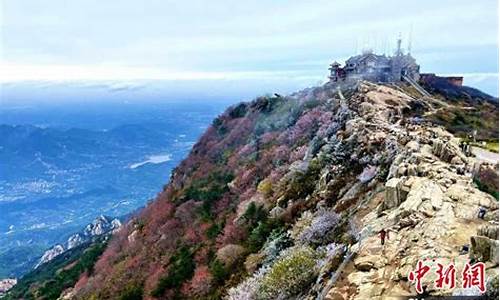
<point x="285" y="184"/>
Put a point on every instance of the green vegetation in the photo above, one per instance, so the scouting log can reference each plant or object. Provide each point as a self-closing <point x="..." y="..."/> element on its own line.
<point x="214" y="230"/>
<point x="254" y="214"/>
<point x="487" y="145"/>
<point x="218" y="124"/>
<point x="486" y="188"/>
<point x="218" y="271"/>
<point x="239" y="111"/>
<point x="52" y="278"/>
<point x="208" y="190"/>
<point x="132" y="292"/>
<point x="483" y="119"/>
<point x="181" y="268"/>
<point x="303" y="183"/>
<point x="260" y="233"/>
<point x="492" y="146"/>
<point x="290" y="275"/>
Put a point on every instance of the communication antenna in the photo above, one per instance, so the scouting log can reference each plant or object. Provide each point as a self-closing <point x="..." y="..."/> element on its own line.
<point x="398" y="50"/>
<point x="410" y="38"/>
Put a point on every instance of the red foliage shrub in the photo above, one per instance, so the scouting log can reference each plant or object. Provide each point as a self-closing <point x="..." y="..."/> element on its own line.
<point x="82" y="281"/>
<point x="200" y="284"/>
<point x="231" y="234"/>
<point x="186" y="212"/>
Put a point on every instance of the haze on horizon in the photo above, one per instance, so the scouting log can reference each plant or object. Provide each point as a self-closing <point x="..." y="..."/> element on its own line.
<point x="287" y="43"/>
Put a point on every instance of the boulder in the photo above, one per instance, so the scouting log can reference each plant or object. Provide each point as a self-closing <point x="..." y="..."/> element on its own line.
<point x="411" y="170"/>
<point x="276" y="212"/>
<point x="422" y="190"/>
<point x="402" y="169"/>
<point x="364" y="263"/>
<point x="413" y="146"/>
<point x="392" y="193"/>
<point x="490" y="231"/>
<point x="446" y="151"/>
<point x="456" y="160"/>
<point x="484" y="249"/>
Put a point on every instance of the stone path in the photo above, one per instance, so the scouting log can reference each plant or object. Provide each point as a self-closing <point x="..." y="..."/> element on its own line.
<point x="485" y="155"/>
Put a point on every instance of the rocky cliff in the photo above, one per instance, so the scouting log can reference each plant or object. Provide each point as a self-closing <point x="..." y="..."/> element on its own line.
<point x="285" y="197"/>
<point x="100" y="226"/>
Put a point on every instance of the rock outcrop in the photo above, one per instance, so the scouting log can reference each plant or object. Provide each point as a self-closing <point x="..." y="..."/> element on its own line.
<point x="430" y="206"/>
<point x="100" y="226"/>
<point x="6" y="285"/>
<point x="50" y="254"/>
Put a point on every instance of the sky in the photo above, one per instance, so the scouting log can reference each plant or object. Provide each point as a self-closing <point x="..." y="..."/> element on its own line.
<point x="260" y="41"/>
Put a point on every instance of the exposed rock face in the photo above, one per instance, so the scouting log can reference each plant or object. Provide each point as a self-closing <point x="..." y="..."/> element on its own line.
<point x="75" y="240"/>
<point x="392" y="193"/>
<point x="430" y="206"/>
<point x="6" y="285"/>
<point x="100" y="226"/>
<point x="484" y="246"/>
<point x="484" y="249"/>
<point x="489" y="231"/>
<point x="50" y="254"/>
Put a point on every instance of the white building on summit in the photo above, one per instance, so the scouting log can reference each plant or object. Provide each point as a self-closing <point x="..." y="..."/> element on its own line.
<point x="377" y="68"/>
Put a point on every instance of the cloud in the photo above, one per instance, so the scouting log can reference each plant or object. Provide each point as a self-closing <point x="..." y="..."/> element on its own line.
<point x="18" y="72"/>
<point x="222" y="39"/>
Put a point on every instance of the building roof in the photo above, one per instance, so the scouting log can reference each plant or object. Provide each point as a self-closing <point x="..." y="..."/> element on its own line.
<point x="360" y="58"/>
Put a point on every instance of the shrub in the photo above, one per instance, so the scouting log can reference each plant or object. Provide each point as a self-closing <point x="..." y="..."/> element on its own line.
<point x="301" y="183"/>
<point x="254" y="214"/>
<point x="208" y="190"/>
<point x="265" y="187"/>
<point x="301" y="224"/>
<point x="292" y="273"/>
<point x="259" y="234"/>
<point x="201" y="283"/>
<point x="219" y="272"/>
<point x="248" y="289"/>
<point x="217" y="122"/>
<point x="181" y="268"/>
<point x="213" y="231"/>
<point x="321" y="230"/>
<point x="132" y="292"/>
<point x="230" y="254"/>
<point x="238" y="111"/>
<point x="277" y="241"/>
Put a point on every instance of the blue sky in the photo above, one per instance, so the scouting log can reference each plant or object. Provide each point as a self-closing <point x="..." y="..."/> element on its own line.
<point x="240" y="40"/>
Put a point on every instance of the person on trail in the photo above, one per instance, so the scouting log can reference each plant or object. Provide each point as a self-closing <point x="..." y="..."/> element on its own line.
<point x="482" y="212"/>
<point x="383" y="234"/>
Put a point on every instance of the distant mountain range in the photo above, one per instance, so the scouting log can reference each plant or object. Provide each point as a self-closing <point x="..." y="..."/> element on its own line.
<point x="56" y="179"/>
